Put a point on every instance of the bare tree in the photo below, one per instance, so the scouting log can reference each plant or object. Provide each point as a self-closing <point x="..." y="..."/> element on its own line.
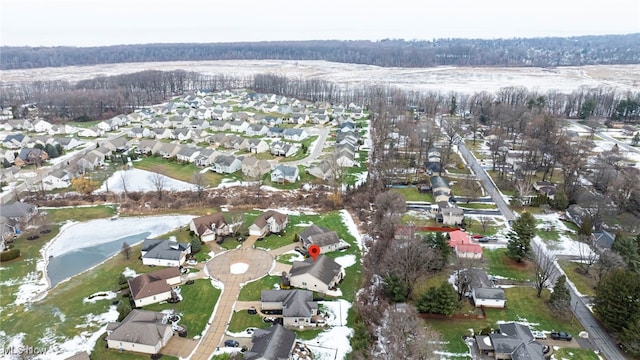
<point x="409" y="260"/>
<point x="159" y="182"/>
<point x="123" y="178"/>
<point x="544" y="268"/>
<point x="485" y="221"/>
<point x="403" y="335"/>
<point x="126" y="250"/>
<point x="199" y="184"/>
<point x="587" y="256"/>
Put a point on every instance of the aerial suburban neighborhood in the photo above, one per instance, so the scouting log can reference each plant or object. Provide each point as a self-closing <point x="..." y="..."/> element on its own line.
<point x="269" y="217"/>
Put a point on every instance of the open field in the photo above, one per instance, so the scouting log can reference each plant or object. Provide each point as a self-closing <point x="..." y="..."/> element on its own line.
<point x="443" y="79"/>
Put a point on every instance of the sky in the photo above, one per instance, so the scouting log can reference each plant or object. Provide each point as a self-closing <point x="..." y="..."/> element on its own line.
<point x="114" y="22"/>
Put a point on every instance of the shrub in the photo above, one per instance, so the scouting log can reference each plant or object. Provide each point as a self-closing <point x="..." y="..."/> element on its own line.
<point x="9" y="255"/>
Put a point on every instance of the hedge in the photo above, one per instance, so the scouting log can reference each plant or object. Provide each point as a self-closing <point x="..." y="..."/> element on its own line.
<point x="9" y="255"/>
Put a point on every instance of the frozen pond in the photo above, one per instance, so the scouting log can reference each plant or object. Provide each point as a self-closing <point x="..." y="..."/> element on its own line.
<point x="84" y="245"/>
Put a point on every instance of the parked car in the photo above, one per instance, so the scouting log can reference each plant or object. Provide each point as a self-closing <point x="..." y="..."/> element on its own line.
<point x="192" y="262"/>
<point x="231" y="343"/>
<point x="301" y="250"/>
<point x="538" y="334"/>
<point x="561" y="335"/>
<point x="252" y="311"/>
<point x="190" y="282"/>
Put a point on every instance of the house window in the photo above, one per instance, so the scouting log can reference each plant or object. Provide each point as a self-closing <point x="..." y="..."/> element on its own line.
<point x="304" y="284"/>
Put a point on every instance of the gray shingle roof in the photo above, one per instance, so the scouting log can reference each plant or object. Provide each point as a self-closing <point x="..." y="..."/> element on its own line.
<point x="323" y="268"/>
<point x="274" y="343"/>
<point x="163" y="249"/>
<point x="139" y="327"/>
<point x="318" y="235"/>
<point x="490" y="293"/>
<point x="517" y="340"/>
<point x="295" y="303"/>
<point x="16" y="210"/>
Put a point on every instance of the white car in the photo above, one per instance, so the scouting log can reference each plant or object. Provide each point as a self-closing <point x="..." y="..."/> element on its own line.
<point x="192" y="262"/>
<point x="538" y="334"/>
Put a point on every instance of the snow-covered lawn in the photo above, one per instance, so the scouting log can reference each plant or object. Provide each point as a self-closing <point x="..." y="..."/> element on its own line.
<point x="565" y="245"/>
<point x="141" y="180"/>
<point x="333" y="343"/>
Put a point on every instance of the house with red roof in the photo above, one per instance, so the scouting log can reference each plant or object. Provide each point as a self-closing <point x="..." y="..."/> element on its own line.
<point x="460" y="241"/>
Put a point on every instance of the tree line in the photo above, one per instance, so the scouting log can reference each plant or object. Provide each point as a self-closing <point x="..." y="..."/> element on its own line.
<point x="543" y="52"/>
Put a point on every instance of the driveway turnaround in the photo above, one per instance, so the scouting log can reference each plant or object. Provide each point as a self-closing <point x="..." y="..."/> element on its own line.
<point x="233" y="269"/>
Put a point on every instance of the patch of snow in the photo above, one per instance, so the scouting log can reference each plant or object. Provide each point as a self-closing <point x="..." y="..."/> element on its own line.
<point x="347" y="220"/>
<point x="334" y="343"/>
<point x="141" y="180"/>
<point x="103" y="295"/>
<point x="520" y="321"/>
<point x="304" y="224"/>
<point x="335" y="293"/>
<point x="346" y="260"/>
<point x="128" y="273"/>
<point x="239" y="268"/>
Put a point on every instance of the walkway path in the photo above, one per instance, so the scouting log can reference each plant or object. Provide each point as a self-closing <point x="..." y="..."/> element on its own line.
<point x="258" y="263"/>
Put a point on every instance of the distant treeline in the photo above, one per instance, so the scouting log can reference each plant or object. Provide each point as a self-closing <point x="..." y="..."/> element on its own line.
<point x="543" y="52"/>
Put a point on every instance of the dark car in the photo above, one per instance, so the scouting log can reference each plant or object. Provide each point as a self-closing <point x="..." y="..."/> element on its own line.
<point x="190" y="282"/>
<point x="561" y="335"/>
<point x="252" y="311"/>
<point x="231" y="343"/>
<point x="301" y="250"/>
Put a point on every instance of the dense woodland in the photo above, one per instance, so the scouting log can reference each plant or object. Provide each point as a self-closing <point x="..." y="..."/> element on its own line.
<point x="543" y="52"/>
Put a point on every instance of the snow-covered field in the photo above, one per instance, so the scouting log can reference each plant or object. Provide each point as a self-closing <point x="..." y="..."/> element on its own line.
<point x="443" y="79"/>
<point x="334" y="343"/>
<point x="142" y="180"/>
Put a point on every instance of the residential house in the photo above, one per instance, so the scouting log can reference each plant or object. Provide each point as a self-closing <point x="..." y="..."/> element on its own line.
<point x="602" y="239"/>
<point x="89" y="161"/>
<point x="298" y="118"/>
<point x="279" y="148"/>
<point x="62" y="129"/>
<point x="41" y="126"/>
<point x="154" y="287"/>
<point x="275" y="132"/>
<point x="257" y="130"/>
<point x="514" y="341"/>
<point x="463" y="247"/>
<point x="141" y="331"/>
<point x="169" y="150"/>
<point x="238" y="126"/>
<point x="489" y="297"/>
<point x="323" y="170"/>
<point x="148" y="147"/>
<point x="440" y="188"/>
<point x="297" y="306"/>
<point x="15" y="141"/>
<point x="210" y="227"/>
<point x="30" y="157"/>
<point x="93" y="131"/>
<point x="274" y="343"/>
<point x="257" y="146"/>
<point x="345" y="156"/>
<point x="164" y="252"/>
<point x="295" y="134"/>
<point x="188" y="154"/>
<point x="140" y="132"/>
<point x="18" y="211"/>
<point x="226" y="164"/>
<point x="57" y="179"/>
<point x="576" y="214"/>
<point x="269" y="221"/>
<point x="254" y="168"/>
<point x="68" y="143"/>
<point x="272" y="120"/>
<point x="160" y="123"/>
<point x="326" y="239"/>
<point x="161" y="133"/>
<point x="285" y="174"/>
<point x="206" y="157"/>
<point x="449" y="214"/>
<point x="118" y="144"/>
<point x="321" y="275"/>
<point x="182" y="134"/>
<point x="8" y="230"/>
<point x="219" y="125"/>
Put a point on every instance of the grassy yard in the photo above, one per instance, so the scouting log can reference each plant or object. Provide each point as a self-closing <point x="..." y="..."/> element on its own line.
<point x="576" y="354"/>
<point x="499" y="264"/>
<point x="252" y="290"/>
<point x="241" y="320"/>
<point x="411" y="193"/>
<point x="491" y="206"/>
<point x="100" y="352"/>
<point x="198" y="301"/>
<point x="173" y="169"/>
<point x="84" y="213"/>
<point x="585" y="285"/>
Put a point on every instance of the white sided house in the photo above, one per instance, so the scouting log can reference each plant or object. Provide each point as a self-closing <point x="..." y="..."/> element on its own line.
<point x="164" y="252"/>
<point x="321" y="275"/>
<point x="326" y="239"/>
<point x="268" y="222"/>
<point x="297" y="306"/>
<point x="141" y="331"/>
<point x="154" y="287"/>
<point x="489" y="297"/>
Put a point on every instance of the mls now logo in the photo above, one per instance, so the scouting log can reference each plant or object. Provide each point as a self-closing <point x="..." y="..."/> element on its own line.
<point x="23" y="350"/>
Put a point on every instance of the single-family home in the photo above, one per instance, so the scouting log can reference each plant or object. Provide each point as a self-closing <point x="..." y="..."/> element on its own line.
<point x="219" y="125"/>
<point x="577" y="214"/>
<point x="148" y="147"/>
<point x="93" y="131"/>
<point x="295" y="134"/>
<point x="460" y="241"/>
<point x="602" y="239"/>
<point x="57" y="179"/>
<point x="345" y="157"/>
<point x="19" y="211"/>
<point x="15" y="141"/>
<point x="30" y="156"/>
<point x="182" y="134"/>
<point x="226" y="164"/>
<point x="285" y="174"/>
<point x="188" y="154"/>
<point x="254" y="168"/>
<point x="513" y="341"/>
<point x="274" y="343"/>
<point x="257" y="146"/>
<point x="449" y="214"/>
<point x="68" y="143"/>
<point x="41" y="126"/>
<point x="275" y="132"/>
<point x="238" y="126"/>
<point x="206" y="157"/>
<point x="169" y="150"/>
<point x="279" y="148"/>
<point x="141" y="331"/>
<point x="269" y="221"/>
<point x="154" y="287"/>
<point x="438" y="183"/>
<point x="321" y="275"/>
<point x="298" y="118"/>
<point x="209" y="227"/>
<point x="161" y="133"/>
<point x="297" y="306"/>
<point x="257" y="130"/>
<point x="140" y="132"/>
<point x="322" y="170"/>
<point x="326" y="239"/>
<point x="164" y="252"/>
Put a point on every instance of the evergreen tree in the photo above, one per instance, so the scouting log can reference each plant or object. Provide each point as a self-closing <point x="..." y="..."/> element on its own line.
<point x="394" y="288"/>
<point x="586" y="228"/>
<point x="438" y="241"/>
<point x="441" y="300"/>
<point x="560" y="299"/>
<point x="522" y="231"/>
<point x="630" y="337"/>
<point x="628" y="249"/>
<point x="196" y="245"/>
<point x="560" y="200"/>
<point x="51" y="151"/>
<point x="618" y="298"/>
